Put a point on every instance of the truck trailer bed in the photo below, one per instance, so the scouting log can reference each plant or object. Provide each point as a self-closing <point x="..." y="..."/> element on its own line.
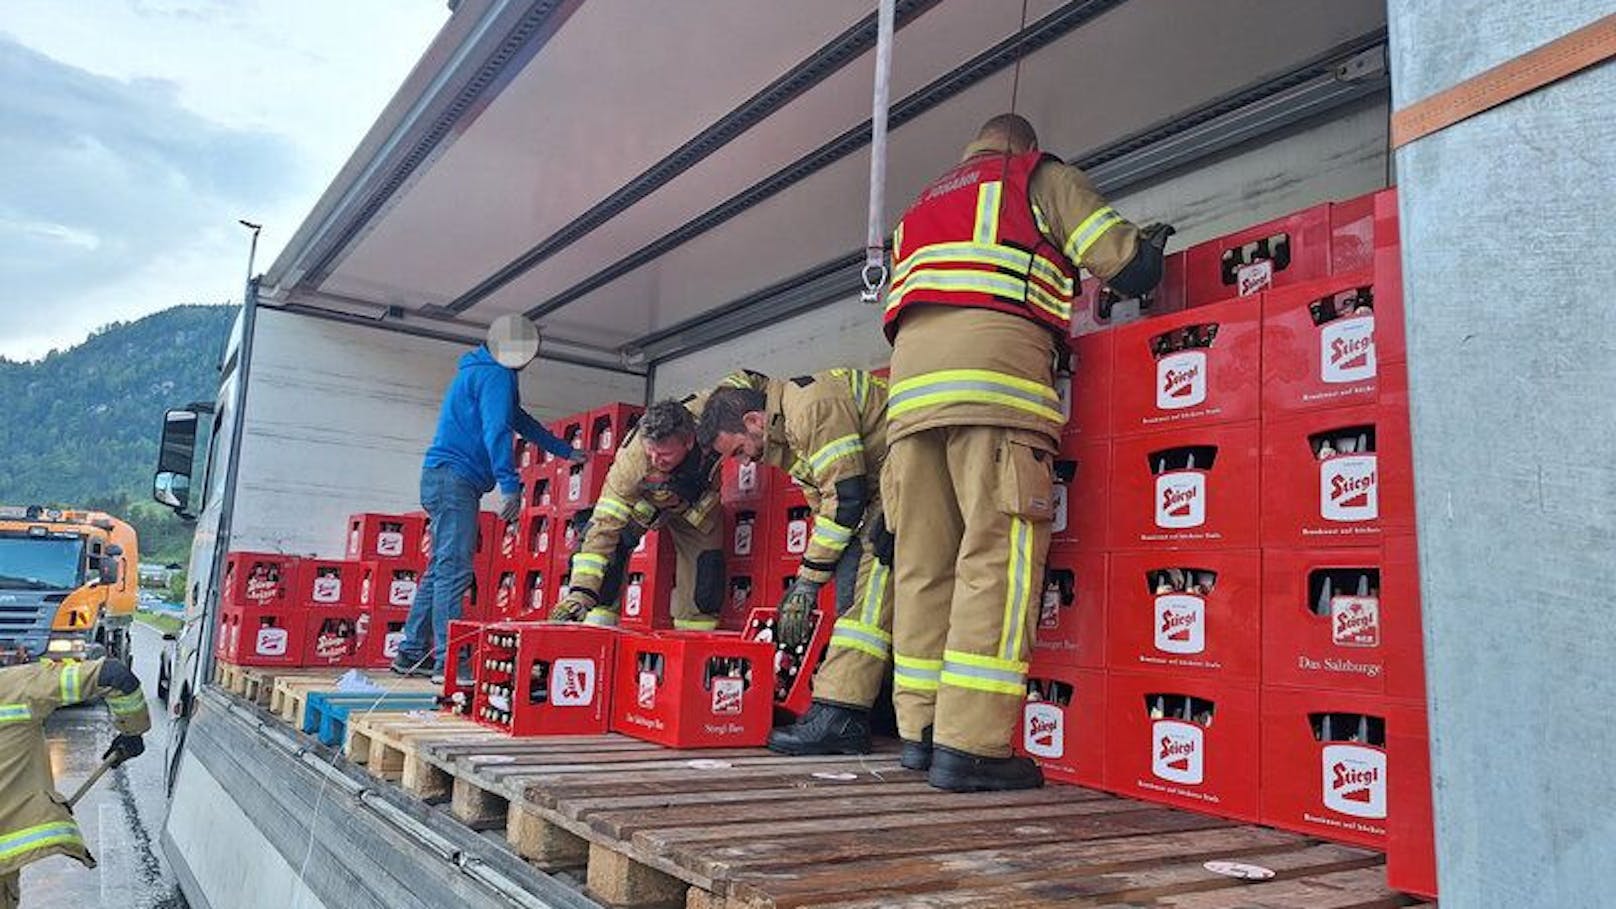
<point x="613" y="821"/>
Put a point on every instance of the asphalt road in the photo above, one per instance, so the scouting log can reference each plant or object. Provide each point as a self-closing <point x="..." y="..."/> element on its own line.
<point x="122" y="817"/>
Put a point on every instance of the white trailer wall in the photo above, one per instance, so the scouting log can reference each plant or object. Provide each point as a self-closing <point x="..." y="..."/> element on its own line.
<point x="1337" y="159"/>
<point x="339" y="415"/>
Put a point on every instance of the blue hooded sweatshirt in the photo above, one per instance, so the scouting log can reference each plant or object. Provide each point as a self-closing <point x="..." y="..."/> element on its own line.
<point x="481" y="408"/>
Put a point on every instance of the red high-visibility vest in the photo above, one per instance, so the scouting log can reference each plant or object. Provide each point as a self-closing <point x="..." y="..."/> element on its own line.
<point x="973" y="239"/>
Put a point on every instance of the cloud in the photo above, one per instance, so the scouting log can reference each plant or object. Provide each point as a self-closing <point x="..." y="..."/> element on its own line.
<point x="105" y="177"/>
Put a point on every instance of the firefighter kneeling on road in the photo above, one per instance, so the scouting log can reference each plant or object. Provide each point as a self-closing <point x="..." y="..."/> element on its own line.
<point x="660" y="478"/>
<point x="827" y="430"/>
<point x="35" y="821"/>
<point x="985" y="268"/>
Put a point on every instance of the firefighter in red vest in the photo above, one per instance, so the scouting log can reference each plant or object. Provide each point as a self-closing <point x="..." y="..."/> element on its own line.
<point x="985" y="269"/>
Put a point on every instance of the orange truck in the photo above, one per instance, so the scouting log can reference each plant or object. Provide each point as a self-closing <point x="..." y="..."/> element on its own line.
<point x="68" y="584"/>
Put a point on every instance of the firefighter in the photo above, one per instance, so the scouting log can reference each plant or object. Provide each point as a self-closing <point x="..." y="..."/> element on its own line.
<point x="35" y="822"/>
<point x="985" y="268"/>
<point x="827" y="430"/>
<point x="661" y="478"/>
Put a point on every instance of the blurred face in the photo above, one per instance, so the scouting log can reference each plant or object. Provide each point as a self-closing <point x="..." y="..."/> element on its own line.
<point x="747" y="445"/>
<point x="668" y="453"/>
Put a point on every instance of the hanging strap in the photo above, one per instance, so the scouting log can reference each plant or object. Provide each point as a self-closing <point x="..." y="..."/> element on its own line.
<point x="875" y="263"/>
<point x="1522" y="75"/>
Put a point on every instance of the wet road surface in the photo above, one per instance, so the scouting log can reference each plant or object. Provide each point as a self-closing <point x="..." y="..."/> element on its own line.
<point x="122" y="817"/>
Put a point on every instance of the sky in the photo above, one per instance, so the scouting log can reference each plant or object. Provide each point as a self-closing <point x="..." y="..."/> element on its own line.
<point x="134" y="134"/>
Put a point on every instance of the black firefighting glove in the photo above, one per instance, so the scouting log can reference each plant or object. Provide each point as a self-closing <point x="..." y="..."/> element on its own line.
<point x="1156" y="234"/>
<point x="882" y="540"/>
<point x="794" y="620"/>
<point x="123" y="748"/>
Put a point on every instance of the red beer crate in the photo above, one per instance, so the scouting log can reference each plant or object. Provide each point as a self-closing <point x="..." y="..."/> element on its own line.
<point x="1063" y="723"/>
<point x="423" y="547"/>
<point x="1410" y="830"/>
<point x="1340" y="477"/>
<point x="538" y="487"/>
<point x="1071" y="613"/>
<point x="570" y="526"/>
<point x="1326" y="767"/>
<point x="510" y="546"/>
<point x="542" y="678"/>
<point x="1193" y="368"/>
<point x="261" y="635"/>
<point x="390" y="584"/>
<point x="647" y="597"/>
<point x="794" y="666"/>
<point x="574" y="430"/>
<point x="1352" y="234"/>
<point x="382" y="638"/>
<point x="538" y="536"/>
<point x="1185" y="489"/>
<point x="505" y="585"/>
<point x="693" y="689"/>
<point x="1189" y="613"/>
<point x="1392" y="339"/>
<point x="609" y="425"/>
<point x="746" y="530"/>
<point x="490" y="536"/>
<point x="790" y="523"/>
<point x="382" y="536"/>
<point x="534" y="600"/>
<point x="581" y="483"/>
<point x="1345" y="620"/>
<point x="1098" y="307"/>
<point x="746" y="591"/>
<point x="259" y="579"/>
<point x="744" y="483"/>
<point x="1276" y="253"/>
<point x="461" y="657"/>
<point x="1192" y="743"/>
<point x="335" y="636"/>
<point x="1085" y="387"/>
<point x="1322" y="343"/>
<point x="525" y="454"/>
<point x="1082" y="476"/>
<point x="323" y="582"/>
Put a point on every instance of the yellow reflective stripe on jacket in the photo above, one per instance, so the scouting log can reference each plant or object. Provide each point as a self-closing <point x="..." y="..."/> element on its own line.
<point x="992" y="283"/>
<point x="974" y="386"/>
<point x="69" y="683"/>
<point x="614" y="507"/>
<point x="858" y="383"/>
<point x="852" y="635"/>
<point x="987" y="211"/>
<point x="125" y="704"/>
<point x="1085" y="234"/>
<point x="706" y="623"/>
<point x="644" y="511"/>
<point x="588" y="564"/>
<point x="600" y="615"/>
<point x="1005" y="257"/>
<point x="15" y="713"/>
<point x="983" y="673"/>
<point x="912" y="672"/>
<point x="55" y="833"/>
<point x="1018" y="589"/>
<point x="831" y="535"/>
<point x="833" y="451"/>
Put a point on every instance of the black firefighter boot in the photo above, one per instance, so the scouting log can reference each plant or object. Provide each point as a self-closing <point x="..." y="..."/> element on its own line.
<point x="958" y="771"/>
<point x="917" y="755"/>
<point x="825" y="729"/>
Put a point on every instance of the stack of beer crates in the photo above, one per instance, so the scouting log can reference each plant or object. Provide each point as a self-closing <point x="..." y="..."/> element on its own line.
<point x="1230" y="618"/>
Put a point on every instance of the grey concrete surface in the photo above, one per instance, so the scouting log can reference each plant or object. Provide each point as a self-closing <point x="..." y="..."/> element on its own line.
<point x="122" y="816"/>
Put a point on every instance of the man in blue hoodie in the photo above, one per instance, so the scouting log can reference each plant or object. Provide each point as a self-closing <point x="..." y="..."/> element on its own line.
<point x="470" y="454"/>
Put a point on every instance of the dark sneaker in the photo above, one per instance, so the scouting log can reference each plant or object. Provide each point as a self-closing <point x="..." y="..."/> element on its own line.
<point x="437" y="676"/>
<point x="917" y="755"/>
<point x="957" y="771"/>
<point x="824" y="729"/>
<point x="418" y="667"/>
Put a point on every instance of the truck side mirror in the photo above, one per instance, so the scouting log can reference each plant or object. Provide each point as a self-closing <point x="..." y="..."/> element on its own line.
<point x="172" y="484"/>
<point x="110" y="564"/>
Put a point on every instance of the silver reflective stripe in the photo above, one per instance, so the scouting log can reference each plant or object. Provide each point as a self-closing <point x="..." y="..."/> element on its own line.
<point x="982" y="672"/>
<point x="942" y="386"/>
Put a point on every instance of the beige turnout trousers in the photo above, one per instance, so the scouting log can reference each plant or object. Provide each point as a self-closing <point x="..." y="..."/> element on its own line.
<point x="972" y="507"/>
<point x="856" y="662"/>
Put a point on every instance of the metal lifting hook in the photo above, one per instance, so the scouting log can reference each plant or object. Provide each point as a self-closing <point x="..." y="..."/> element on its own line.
<point x="875" y="263"/>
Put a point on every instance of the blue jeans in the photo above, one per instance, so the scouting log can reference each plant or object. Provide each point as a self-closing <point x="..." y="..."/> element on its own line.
<point x="452" y="503"/>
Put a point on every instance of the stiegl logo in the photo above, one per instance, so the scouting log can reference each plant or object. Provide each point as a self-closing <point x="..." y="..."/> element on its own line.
<point x="647" y="691"/>
<point x="797" y="536"/>
<point x="1348" y="488"/>
<point x="746" y="477"/>
<point x="1180" y="623"/>
<point x="1181" y="380"/>
<point x="1049" y="609"/>
<point x="1347" y="350"/>
<point x="1355" y="781"/>
<point x="1181" y="499"/>
<point x="1355" y="621"/>
<point x="401" y="592"/>
<point x="631" y="600"/>
<point x="1254" y="277"/>
<point x="572" y="683"/>
<point x="271" y="642"/>
<point x="390" y="643"/>
<point x="390" y="543"/>
<point x="727" y="691"/>
<point x="1177" y="753"/>
<point x="1043" y="732"/>
<point x="1058" y="508"/>
<point x="262" y="588"/>
<point x="327" y="589"/>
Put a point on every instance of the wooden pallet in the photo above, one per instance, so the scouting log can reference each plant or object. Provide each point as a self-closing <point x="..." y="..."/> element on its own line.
<point x="326" y="713"/>
<point x="762" y="831"/>
<point x="288" y="700"/>
<point x="384" y="743"/>
<point x="256" y="683"/>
